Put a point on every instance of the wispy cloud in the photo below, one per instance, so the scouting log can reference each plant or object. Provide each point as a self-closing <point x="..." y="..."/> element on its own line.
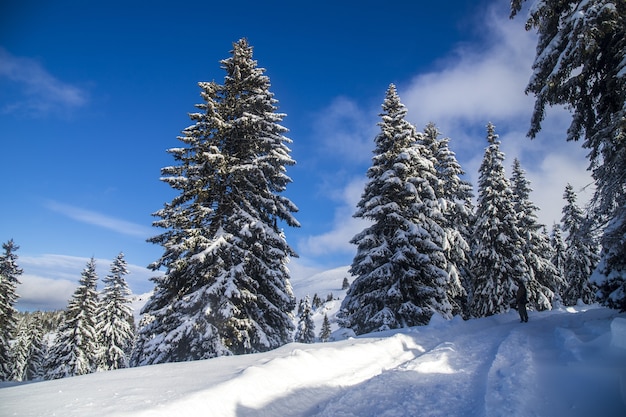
<point x="49" y="280"/>
<point x="345" y="227"/>
<point x="477" y="80"/>
<point x="101" y="220"/>
<point x="346" y="131"/>
<point x="34" y="90"/>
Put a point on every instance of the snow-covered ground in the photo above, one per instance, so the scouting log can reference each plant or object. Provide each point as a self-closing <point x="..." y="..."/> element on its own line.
<point x="566" y="362"/>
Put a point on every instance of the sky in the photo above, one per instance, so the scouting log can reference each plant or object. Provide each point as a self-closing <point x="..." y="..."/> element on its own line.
<point x="564" y="362"/>
<point x="93" y="94"/>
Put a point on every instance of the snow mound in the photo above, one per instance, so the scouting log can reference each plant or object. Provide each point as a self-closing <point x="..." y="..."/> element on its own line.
<point x="618" y="332"/>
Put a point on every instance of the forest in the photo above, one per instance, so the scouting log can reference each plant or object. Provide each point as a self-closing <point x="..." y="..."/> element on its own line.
<point x="435" y="244"/>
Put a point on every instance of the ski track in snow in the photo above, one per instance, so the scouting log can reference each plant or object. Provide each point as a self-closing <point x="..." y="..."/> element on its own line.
<point x="559" y="364"/>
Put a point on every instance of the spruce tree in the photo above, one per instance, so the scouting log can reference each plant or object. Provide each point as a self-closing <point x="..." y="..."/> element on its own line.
<point x="558" y="257"/>
<point x="305" y="330"/>
<point x="580" y="64"/>
<point x="609" y="275"/>
<point x="9" y="273"/>
<point x="226" y="286"/>
<point x="115" y="326"/>
<point x="21" y="351"/>
<point x="325" y="332"/>
<point x="29" y="349"/>
<point x="75" y="350"/>
<point x="544" y="279"/>
<point x="400" y="268"/>
<point x="38" y="349"/>
<point x="497" y="255"/>
<point x="580" y="256"/>
<point x="345" y="284"/>
<point x="455" y="199"/>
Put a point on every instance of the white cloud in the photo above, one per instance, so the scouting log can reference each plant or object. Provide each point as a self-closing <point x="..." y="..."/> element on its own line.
<point x="481" y="83"/>
<point x="346" y="131"/>
<point x="49" y="280"/>
<point x="477" y="83"/>
<point x="344" y="227"/>
<point x="44" y="294"/>
<point x="101" y="220"/>
<point x="38" y="91"/>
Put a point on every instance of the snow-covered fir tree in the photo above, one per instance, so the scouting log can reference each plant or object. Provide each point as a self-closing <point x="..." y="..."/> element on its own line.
<point x="400" y="268"/>
<point x="497" y="258"/>
<point x="115" y="326"/>
<point x="29" y="349"/>
<point x="325" y="331"/>
<point x="226" y="286"/>
<point x="305" y="330"/>
<point x="9" y="273"/>
<point x="38" y="349"/>
<point x="581" y="254"/>
<point x="544" y="279"/>
<point x="455" y="199"/>
<point x="75" y="350"/>
<point x="609" y="275"/>
<point x="21" y="352"/>
<point x="580" y="64"/>
<point x="558" y="256"/>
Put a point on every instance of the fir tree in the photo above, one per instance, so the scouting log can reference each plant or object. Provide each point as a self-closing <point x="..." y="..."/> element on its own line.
<point x="580" y="256"/>
<point x="29" y="349"/>
<point x="325" y="332"/>
<point x="226" y="286"/>
<point x="115" y="325"/>
<point x="21" y="351"/>
<point x="609" y="275"/>
<point x="345" y="283"/>
<point x="558" y="257"/>
<point x="38" y="349"/>
<point x="455" y="199"/>
<point x="497" y="255"/>
<point x="400" y="267"/>
<point x="544" y="279"/>
<point x="317" y="301"/>
<point x="9" y="273"/>
<point x="580" y="64"/>
<point x="305" y="330"/>
<point x="75" y="350"/>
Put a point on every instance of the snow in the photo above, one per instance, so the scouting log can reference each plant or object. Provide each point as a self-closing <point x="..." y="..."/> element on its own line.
<point x="562" y="362"/>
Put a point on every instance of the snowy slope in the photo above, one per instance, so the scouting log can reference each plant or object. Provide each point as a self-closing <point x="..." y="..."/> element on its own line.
<point x="562" y="363"/>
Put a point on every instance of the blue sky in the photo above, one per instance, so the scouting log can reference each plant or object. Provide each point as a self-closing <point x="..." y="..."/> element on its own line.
<point x="93" y="93"/>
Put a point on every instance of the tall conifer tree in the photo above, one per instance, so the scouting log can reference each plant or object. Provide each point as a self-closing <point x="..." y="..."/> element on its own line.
<point x="581" y="254"/>
<point x="305" y="331"/>
<point x="76" y="350"/>
<point x="115" y="325"/>
<point x="544" y="279"/>
<point x="400" y="267"/>
<point x="497" y="255"/>
<point x="9" y="273"/>
<point x="558" y="256"/>
<point x="226" y="286"/>
<point x="455" y="199"/>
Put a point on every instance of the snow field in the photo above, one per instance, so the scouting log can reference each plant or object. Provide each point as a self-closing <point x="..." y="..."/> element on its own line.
<point x="566" y="362"/>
